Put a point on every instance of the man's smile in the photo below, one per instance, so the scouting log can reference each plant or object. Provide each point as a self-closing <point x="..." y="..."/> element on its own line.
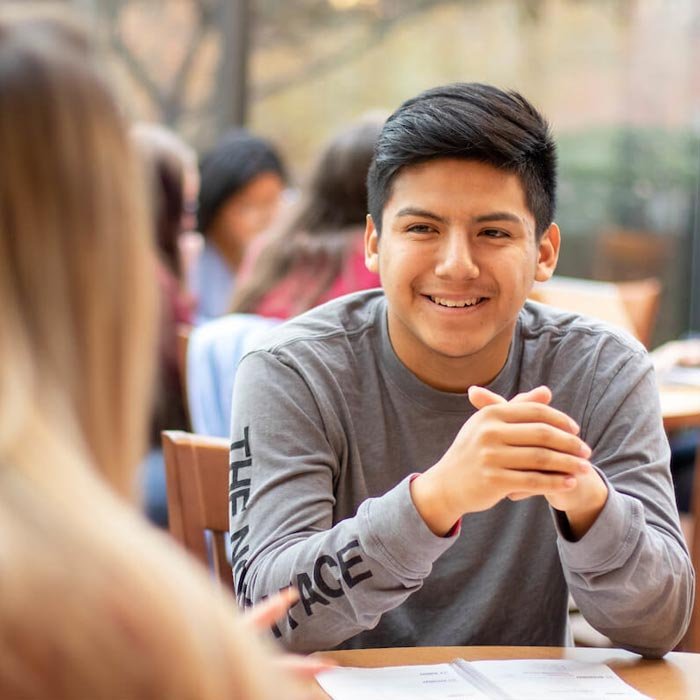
<point x="458" y="303"/>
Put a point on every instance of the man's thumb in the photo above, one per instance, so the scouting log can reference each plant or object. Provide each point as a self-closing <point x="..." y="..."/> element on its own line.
<point x="480" y="397"/>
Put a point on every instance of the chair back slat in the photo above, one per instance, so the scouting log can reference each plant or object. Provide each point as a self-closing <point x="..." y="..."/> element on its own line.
<point x="629" y="305"/>
<point x="197" y="473"/>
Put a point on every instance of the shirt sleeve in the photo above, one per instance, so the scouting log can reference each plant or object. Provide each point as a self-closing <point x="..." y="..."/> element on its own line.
<point x="208" y="414"/>
<point x="631" y="574"/>
<point x="284" y="525"/>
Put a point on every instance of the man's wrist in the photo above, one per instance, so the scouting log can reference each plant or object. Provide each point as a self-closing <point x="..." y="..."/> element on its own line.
<point x="582" y="519"/>
<point x="431" y="505"/>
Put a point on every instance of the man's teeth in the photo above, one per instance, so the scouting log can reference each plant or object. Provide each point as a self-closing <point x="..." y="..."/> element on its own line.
<point x="454" y="303"/>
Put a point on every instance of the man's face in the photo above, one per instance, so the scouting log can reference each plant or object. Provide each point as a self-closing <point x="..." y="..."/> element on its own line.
<point x="457" y="257"/>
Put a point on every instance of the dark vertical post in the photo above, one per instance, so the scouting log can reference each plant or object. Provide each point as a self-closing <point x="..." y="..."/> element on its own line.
<point x="694" y="306"/>
<point x="694" y="89"/>
<point x="233" y="72"/>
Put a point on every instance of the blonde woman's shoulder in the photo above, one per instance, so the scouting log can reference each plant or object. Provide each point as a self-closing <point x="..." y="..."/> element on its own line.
<point x="94" y="603"/>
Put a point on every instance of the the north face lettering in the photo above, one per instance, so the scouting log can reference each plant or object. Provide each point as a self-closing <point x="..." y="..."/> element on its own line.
<point x="239" y="485"/>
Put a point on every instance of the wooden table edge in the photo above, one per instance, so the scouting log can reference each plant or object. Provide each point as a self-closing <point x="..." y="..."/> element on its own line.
<point x="675" y="677"/>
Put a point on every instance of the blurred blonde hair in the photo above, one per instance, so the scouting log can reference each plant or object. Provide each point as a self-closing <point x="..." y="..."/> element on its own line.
<point x="94" y="603"/>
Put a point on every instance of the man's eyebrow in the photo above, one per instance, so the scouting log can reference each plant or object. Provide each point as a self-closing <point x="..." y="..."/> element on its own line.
<point x="497" y="216"/>
<point x="482" y="218"/>
<point x="415" y="211"/>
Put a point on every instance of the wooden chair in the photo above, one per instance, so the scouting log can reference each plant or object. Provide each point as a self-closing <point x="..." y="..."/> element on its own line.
<point x="197" y="476"/>
<point x="641" y="301"/>
<point x="630" y="305"/>
<point x="630" y="254"/>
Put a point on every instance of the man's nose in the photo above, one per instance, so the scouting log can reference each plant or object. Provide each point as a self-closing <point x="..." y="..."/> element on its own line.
<point x="456" y="259"/>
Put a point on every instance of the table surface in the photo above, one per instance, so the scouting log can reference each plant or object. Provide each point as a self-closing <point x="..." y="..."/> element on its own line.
<point x="675" y="677"/>
<point x="680" y="406"/>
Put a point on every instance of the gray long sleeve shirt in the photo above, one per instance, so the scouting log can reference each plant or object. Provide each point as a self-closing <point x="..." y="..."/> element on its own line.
<point x="328" y="426"/>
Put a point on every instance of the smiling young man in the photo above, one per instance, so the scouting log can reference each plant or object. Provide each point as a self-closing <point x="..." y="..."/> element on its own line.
<point x="442" y="462"/>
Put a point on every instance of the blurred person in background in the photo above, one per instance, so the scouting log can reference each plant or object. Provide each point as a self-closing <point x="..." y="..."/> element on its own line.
<point x="95" y="603"/>
<point x="172" y="166"/>
<point x="242" y="180"/>
<point x="168" y="162"/>
<point x="316" y="255"/>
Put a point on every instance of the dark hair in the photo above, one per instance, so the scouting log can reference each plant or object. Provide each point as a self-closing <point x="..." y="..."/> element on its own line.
<point x="166" y="159"/>
<point x="237" y="158"/>
<point x="322" y="227"/>
<point x="474" y="122"/>
<point x="167" y="200"/>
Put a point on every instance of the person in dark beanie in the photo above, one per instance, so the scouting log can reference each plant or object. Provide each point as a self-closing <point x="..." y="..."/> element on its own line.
<point x="242" y="180"/>
<point x="442" y="462"/>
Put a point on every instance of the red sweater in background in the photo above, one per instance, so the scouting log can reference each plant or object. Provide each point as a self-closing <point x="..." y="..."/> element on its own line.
<point x="283" y="300"/>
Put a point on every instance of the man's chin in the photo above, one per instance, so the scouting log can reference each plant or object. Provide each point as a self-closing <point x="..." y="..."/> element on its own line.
<point x="454" y="351"/>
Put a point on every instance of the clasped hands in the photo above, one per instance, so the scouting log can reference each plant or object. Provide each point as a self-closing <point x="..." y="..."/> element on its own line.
<point x="512" y="449"/>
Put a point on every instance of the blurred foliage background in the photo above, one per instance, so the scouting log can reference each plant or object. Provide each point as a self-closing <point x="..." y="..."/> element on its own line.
<point x="618" y="79"/>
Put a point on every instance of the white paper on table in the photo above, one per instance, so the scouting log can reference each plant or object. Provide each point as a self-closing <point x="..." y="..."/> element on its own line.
<point x="431" y="682"/>
<point x="683" y="376"/>
<point x="533" y="679"/>
<point x="539" y="679"/>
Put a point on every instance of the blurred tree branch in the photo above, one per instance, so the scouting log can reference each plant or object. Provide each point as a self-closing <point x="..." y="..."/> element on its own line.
<point x="380" y="21"/>
<point x="291" y="26"/>
<point x="168" y="99"/>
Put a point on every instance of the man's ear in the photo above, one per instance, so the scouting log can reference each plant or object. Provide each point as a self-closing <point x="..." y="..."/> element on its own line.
<point x="371" y="246"/>
<point x="548" y="253"/>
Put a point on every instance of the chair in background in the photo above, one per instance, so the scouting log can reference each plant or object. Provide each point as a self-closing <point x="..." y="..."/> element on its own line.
<point x="641" y="300"/>
<point x="630" y="254"/>
<point x="197" y="476"/>
<point x="630" y="305"/>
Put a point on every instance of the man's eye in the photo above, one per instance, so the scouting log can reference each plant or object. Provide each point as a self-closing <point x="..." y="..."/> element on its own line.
<point x="495" y="233"/>
<point x="420" y="228"/>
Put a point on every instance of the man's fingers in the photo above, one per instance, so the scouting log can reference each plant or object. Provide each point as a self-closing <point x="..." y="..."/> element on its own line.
<point x="540" y="394"/>
<point x="545" y="435"/>
<point x="531" y="412"/>
<point x="479" y="397"/>
<point x="536" y="459"/>
<point x="524" y="484"/>
<point x="265" y="614"/>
